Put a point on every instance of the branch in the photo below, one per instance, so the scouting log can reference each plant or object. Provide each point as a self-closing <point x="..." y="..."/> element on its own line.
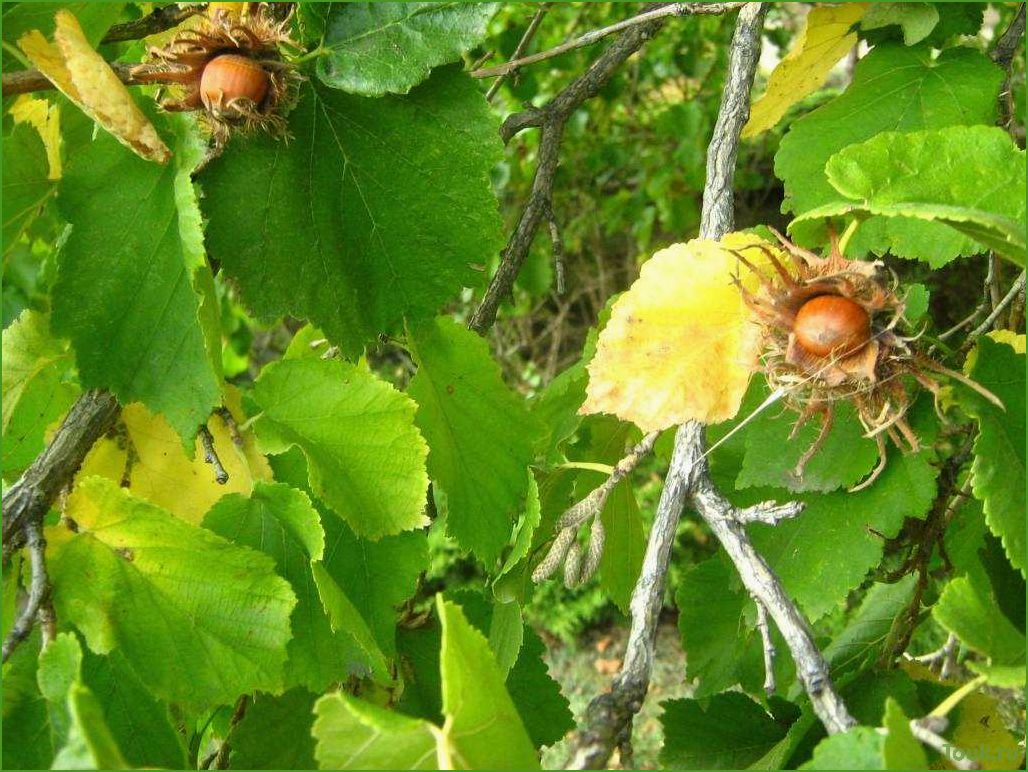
<point x="533" y="26"/>
<point x="1001" y="306"/>
<point x="28" y="500"/>
<point x="1006" y="46"/>
<point x="39" y="591"/>
<point x="158" y="20"/>
<point x="662" y="12"/>
<point x="25" y="81"/>
<point x="210" y="455"/>
<point x="551" y="119"/>
<point x="608" y="719"/>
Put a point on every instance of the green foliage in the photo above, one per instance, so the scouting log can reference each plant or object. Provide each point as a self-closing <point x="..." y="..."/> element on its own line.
<point x="467" y="414"/>
<point x="998" y="472"/>
<point x="415" y="220"/>
<point x="358" y="440"/>
<point x="361" y="41"/>
<point x="913" y="175"/>
<point x="894" y="88"/>
<point x="132" y="568"/>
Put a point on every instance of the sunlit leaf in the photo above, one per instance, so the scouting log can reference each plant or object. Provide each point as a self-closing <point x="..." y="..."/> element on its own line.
<point x="46" y="119"/>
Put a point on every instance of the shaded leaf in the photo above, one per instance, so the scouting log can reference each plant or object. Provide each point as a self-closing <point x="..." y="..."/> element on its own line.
<point x="275" y="733"/>
<point x="373" y="212"/>
<point x="481" y="437"/>
<point x="362" y="41"/>
<point x="917" y="20"/>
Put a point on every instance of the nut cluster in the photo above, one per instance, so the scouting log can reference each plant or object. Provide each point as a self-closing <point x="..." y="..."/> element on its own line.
<point x="830" y="331"/>
<point x="230" y="69"/>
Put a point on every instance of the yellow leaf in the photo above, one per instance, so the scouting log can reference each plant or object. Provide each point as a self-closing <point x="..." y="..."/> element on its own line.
<point x="822" y="44"/>
<point x="236" y="10"/>
<point x="680" y="344"/>
<point x="46" y="119"/>
<point x="160" y="471"/>
<point x="86" y="79"/>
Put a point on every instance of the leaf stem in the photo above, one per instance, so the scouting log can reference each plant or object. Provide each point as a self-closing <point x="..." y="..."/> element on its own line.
<point x="954" y="699"/>
<point x="589" y="466"/>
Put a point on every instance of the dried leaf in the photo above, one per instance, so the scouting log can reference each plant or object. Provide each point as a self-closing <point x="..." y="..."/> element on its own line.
<point x="86" y="79"/>
<point x="826" y="39"/>
<point x="680" y="344"/>
<point x="46" y="119"/>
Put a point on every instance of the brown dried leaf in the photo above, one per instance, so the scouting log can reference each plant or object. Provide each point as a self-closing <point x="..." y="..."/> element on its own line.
<point x="86" y="79"/>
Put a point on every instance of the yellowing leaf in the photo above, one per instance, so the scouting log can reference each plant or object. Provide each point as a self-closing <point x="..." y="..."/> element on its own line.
<point x="159" y="470"/>
<point x="826" y="39"/>
<point x="680" y="344"/>
<point x="46" y="119"/>
<point x="86" y="79"/>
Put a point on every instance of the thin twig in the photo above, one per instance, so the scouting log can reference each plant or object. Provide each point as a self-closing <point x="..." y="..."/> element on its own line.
<point x="945" y="657"/>
<point x="551" y="119"/>
<point x="221" y="758"/>
<point x="211" y="456"/>
<point x="593" y="36"/>
<point x="230" y="424"/>
<point x="28" y="500"/>
<point x="1000" y="307"/>
<point x="520" y="49"/>
<point x="158" y="20"/>
<point x="39" y="590"/>
<point x="927" y="730"/>
<point x="557" y="247"/>
<point x="769" y="649"/>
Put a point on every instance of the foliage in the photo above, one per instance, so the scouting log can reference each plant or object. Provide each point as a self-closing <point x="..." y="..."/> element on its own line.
<point x="291" y="313"/>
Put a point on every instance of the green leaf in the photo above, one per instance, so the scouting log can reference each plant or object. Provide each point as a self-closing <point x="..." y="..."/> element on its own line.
<point x="124" y="293"/>
<point x="916" y="19"/>
<point x="915" y="303"/>
<point x="894" y="88"/>
<point x="480" y="434"/>
<point x="347" y="619"/>
<point x="379" y="576"/>
<point x="625" y="544"/>
<point x="366" y="460"/>
<point x="772" y="453"/>
<point x="90" y="742"/>
<point x="969" y="611"/>
<point x="805" y="551"/>
<point x="353" y="734"/>
<point x="901" y="750"/>
<point x="506" y="634"/>
<point x="483" y="725"/>
<point x="715" y="637"/>
<point x="374" y="211"/>
<point x="972" y="178"/>
<point x="858" y="748"/>
<point x="26" y="187"/>
<point x="860" y="641"/>
<point x="362" y="41"/>
<point x="522" y="547"/>
<point x="281" y="522"/>
<point x="543" y="708"/>
<point x="204" y="620"/>
<point x="728" y="731"/>
<point x="139" y="722"/>
<point x="60" y="667"/>
<point x="36" y="389"/>
<point x="998" y="471"/>
<point x="275" y="733"/>
<point x="94" y="18"/>
<point x="27" y="741"/>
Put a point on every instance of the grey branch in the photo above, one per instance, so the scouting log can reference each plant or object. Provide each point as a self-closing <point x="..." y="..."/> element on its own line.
<point x="28" y="500"/>
<point x="210" y="455"/>
<point x="608" y="719"/>
<point x="39" y="590"/>
<point x="928" y="730"/>
<point x="769" y="649"/>
<point x="1001" y="306"/>
<point x="158" y="20"/>
<point x="551" y="119"/>
<point x="664" y="11"/>
<point x="1006" y="46"/>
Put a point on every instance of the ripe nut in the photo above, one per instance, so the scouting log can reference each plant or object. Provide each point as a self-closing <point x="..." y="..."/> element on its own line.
<point x="832" y="325"/>
<point x="229" y="77"/>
